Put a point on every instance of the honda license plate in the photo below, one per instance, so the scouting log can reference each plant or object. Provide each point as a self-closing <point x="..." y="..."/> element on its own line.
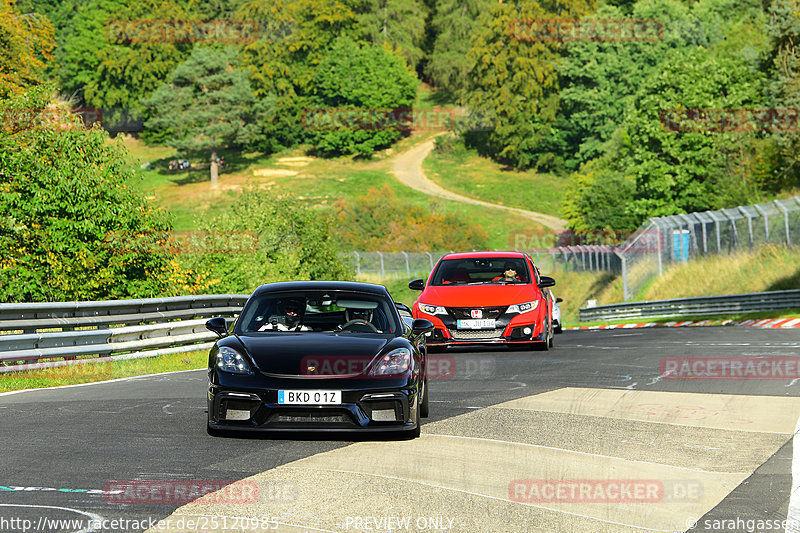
<point x="485" y="323"/>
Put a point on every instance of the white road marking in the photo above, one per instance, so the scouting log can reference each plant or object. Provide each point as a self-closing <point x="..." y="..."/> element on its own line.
<point x="793" y="514"/>
<point x="553" y="448"/>
<point x="94" y="519"/>
<point x="490" y="497"/>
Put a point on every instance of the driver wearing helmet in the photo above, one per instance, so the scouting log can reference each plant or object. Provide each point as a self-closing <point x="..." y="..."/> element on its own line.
<point x="360" y="315"/>
<point x="359" y="320"/>
<point x="290" y="315"/>
<point x="509" y="273"/>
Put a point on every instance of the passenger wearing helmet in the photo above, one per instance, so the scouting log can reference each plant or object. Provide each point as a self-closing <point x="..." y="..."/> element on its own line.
<point x="289" y="317"/>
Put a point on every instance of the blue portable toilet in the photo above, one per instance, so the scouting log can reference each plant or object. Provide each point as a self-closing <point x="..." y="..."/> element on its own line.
<point x="680" y="245"/>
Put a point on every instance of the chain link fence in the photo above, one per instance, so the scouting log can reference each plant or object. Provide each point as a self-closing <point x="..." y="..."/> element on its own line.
<point x="412" y="265"/>
<point x="663" y="241"/>
<point x="659" y="242"/>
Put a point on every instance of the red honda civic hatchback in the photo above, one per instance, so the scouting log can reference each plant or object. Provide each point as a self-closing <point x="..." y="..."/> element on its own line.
<point x="486" y="298"/>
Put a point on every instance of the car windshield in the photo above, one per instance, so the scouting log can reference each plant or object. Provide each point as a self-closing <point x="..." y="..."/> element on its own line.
<point x="481" y="271"/>
<point x="319" y="311"/>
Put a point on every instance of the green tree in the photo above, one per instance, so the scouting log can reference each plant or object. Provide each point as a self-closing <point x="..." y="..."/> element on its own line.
<point x="514" y="80"/>
<point x="72" y="224"/>
<point x="280" y="240"/>
<point x="297" y="34"/>
<point x="102" y="69"/>
<point x="454" y="23"/>
<point x="399" y="25"/>
<point x="352" y="78"/>
<point x="206" y="105"/>
<point x="690" y="170"/>
<point x="783" y="65"/>
<point x="26" y="43"/>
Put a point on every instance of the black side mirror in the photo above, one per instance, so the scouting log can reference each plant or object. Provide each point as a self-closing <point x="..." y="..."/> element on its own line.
<point x="546" y="281"/>
<point x="559" y="300"/>
<point x="420" y="326"/>
<point x="403" y="307"/>
<point x="218" y="326"/>
<point x="417" y="284"/>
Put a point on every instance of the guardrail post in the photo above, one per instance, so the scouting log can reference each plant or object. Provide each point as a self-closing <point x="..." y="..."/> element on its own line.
<point x="624" y="278"/>
<point x="358" y="263"/>
<point x="408" y="267"/>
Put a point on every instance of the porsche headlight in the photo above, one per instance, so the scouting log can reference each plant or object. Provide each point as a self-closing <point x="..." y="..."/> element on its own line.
<point x="523" y="308"/>
<point x="431" y="309"/>
<point x="229" y="360"/>
<point x="395" y="362"/>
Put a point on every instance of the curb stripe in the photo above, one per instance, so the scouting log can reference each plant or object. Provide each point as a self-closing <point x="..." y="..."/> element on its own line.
<point x="779" y="323"/>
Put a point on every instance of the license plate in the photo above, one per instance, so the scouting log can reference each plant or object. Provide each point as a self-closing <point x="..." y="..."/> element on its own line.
<point x="485" y="323"/>
<point x="309" y="397"/>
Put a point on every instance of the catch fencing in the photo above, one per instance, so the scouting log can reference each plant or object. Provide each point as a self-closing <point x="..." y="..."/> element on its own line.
<point x="643" y="255"/>
<point x="51" y="334"/>
<point x="663" y="241"/>
<point x="412" y="265"/>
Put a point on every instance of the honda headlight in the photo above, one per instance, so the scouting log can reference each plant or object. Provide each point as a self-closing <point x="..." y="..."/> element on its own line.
<point x="432" y="309"/>
<point x="395" y="362"/>
<point x="523" y="308"/>
<point x="229" y="360"/>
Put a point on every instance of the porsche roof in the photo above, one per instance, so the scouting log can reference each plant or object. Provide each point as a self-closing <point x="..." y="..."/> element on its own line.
<point x="322" y="286"/>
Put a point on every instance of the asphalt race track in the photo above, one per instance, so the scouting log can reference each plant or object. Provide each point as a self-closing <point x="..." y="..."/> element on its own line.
<point x="511" y="436"/>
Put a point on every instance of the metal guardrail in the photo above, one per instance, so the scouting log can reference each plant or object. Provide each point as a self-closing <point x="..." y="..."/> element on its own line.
<point x="697" y="306"/>
<point x="61" y="332"/>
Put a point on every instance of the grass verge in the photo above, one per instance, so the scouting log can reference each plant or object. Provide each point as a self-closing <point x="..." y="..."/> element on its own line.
<point x="102" y="371"/>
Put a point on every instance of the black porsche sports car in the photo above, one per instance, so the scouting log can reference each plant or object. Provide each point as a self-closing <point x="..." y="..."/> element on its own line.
<point x="318" y="355"/>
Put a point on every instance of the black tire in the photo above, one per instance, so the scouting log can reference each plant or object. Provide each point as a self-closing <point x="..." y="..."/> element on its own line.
<point x="414" y="433"/>
<point x="550" y="342"/>
<point x="424" y="409"/>
<point x="557" y="329"/>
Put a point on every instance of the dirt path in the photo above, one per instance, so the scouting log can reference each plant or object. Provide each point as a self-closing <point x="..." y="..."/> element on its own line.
<point x="408" y="169"/>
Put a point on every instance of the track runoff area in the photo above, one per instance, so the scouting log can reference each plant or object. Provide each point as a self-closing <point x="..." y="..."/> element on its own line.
<point x="668" y="429"/>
